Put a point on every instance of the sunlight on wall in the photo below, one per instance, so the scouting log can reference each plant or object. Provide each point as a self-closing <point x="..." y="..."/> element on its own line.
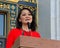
<point x="33" y="1"/>
<point x="26" y="0"/>
<point x="13" y="0"/>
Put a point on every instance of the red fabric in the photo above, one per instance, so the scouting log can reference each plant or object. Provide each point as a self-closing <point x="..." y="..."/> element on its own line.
<point x="14" y="33"/>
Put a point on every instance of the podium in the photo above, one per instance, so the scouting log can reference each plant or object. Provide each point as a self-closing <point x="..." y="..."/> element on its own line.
<point x="33" y="42"/>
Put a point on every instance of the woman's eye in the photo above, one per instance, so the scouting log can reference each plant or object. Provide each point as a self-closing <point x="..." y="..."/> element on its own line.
<point x="23" y="14"/>
<point x="29" y="14"/>
<point x="26" y="14"/>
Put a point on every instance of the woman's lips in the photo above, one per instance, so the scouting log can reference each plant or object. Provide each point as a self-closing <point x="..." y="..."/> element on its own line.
<point x="27" y="19"/>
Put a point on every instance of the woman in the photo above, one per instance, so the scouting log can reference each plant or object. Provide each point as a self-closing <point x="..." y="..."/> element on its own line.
<point x="25" y="17"/>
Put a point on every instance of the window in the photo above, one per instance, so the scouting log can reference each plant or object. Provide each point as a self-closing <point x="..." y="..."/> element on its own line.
<point x="55" y="19"/>
<point x="2" y="24"/>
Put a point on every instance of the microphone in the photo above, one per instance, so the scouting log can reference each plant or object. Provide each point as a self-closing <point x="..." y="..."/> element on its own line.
<point x="22" y="32"/>
<point x="29" y="25"/>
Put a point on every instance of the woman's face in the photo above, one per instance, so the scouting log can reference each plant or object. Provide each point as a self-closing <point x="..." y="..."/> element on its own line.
<point x="25" y="17"/>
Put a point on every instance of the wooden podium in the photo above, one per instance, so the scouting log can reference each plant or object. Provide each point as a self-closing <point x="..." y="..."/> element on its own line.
<point x="33" y="42"/>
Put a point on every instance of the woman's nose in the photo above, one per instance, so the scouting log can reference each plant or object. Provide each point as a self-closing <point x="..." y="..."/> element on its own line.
<point x="27" y="16"/>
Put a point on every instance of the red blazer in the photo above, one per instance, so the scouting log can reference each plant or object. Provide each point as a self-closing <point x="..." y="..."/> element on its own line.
<point x="14" y="33"/>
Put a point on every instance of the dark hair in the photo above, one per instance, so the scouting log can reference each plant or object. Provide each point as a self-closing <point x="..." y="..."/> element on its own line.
<point x="33" y="24"/>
